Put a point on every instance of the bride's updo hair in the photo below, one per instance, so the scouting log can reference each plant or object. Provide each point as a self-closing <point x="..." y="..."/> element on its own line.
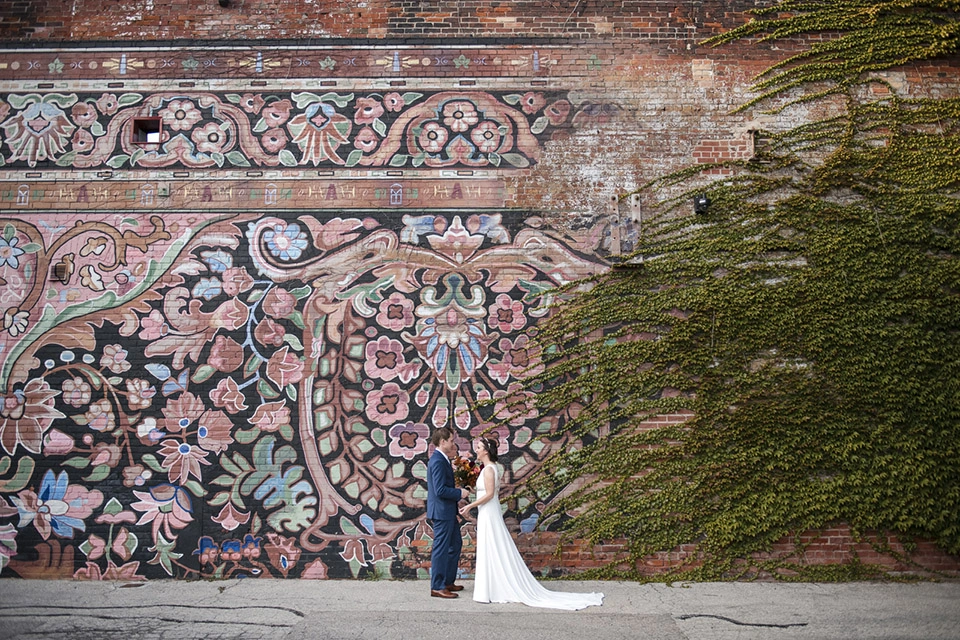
<point x="491" y="447"/>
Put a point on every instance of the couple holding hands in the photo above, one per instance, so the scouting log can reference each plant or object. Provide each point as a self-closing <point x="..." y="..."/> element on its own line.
<point x="501" y="574"/>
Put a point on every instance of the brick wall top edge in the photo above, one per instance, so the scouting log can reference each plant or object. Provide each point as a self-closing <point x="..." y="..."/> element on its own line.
<point x="480" y="41"/>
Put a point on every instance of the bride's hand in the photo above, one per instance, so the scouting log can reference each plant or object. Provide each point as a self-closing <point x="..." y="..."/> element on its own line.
<point x="464" y="510"/>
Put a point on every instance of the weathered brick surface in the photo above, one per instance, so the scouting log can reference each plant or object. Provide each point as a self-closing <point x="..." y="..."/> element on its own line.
<point x="340" y="188"/>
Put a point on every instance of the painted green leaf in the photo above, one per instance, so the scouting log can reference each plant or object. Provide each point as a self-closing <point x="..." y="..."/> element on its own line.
<point x="516" y="160"/>
<point x="237" y="159"/>
<point x="337" y="99"/>
<point x="117" y="161"/>
<point x="128" y="99"/>
<point x="305" y="99"/>
<point x="99" y="473"/>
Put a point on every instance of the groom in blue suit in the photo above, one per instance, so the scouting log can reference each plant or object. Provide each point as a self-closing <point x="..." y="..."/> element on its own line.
<point x="442" y="499"/>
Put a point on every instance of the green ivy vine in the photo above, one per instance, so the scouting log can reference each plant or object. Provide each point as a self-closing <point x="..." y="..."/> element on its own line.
<point x="809" y="323"/>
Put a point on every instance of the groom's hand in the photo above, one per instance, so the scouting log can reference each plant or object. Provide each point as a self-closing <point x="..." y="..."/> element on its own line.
<point x="464" y="494"/>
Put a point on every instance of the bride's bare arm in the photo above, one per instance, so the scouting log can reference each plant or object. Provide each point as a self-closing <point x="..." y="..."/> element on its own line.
<point x="488" y="494"/>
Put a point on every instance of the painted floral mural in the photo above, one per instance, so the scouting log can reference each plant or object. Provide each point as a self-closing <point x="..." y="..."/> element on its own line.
<point x="248" y="395"/>
<point x="305" y="129"/>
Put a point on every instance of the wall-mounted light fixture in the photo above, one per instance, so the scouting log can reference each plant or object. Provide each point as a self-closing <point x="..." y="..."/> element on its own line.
<point x="224" y="3"/>
<point x="700" y="204"/>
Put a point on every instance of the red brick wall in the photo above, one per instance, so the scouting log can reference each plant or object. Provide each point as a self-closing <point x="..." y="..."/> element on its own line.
<point x="673" y="23"/>
<point x="597" y="97"/>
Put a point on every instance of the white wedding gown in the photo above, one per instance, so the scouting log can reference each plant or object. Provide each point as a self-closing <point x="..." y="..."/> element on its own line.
<point x="502" y="575"/>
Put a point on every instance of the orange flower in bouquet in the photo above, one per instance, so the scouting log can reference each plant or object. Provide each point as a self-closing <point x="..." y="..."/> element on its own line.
<point x="465" y="472"/>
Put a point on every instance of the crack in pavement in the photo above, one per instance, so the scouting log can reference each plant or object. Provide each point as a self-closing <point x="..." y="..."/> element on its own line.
<point x="141" y="619"/>
<point x="742" y="624"/>
<point x="299" y="614"/>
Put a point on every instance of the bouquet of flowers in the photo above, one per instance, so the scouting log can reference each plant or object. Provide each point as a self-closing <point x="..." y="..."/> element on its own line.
<point x="465" y="472"/>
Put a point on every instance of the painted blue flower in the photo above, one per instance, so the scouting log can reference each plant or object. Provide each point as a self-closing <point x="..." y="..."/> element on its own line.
<point x="208" y="288"/>
<point x="9" y="252"/>
<point x="55" y="506"/>
<point x="285" y="242"/>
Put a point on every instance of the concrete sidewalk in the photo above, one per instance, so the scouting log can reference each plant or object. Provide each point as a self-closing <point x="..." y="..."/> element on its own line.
<point x="293" y="609"/>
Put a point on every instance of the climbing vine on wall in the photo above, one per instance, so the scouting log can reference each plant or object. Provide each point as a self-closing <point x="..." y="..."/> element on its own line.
<point x="807" y="324"/>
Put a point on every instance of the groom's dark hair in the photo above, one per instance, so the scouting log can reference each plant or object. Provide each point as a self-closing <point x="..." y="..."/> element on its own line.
<point x="443" y="433"/>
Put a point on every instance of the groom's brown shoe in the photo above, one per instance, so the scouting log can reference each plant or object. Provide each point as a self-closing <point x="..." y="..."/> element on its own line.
<point x="453" y="588"/>
<point x="443" y="593"/>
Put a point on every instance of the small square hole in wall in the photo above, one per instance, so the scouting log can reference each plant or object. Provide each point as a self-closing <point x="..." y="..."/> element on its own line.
<point x="146" y="130"/>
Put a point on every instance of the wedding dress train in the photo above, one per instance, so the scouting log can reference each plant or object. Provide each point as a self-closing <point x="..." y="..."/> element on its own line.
<point x="502" y="575"/>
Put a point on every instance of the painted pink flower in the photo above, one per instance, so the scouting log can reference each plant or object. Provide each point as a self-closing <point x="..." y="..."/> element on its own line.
<point x="282" y="552"/>
<point x="108" y="104"/>
<point x="521" y="358"/>
<point x="106" y="454"/>
<point x="269" y="332"/>
<point x="57" y="443"/>
<point x="229" y="518"/>
<point x="126" y="572"/>
<point x="136" y="475"/>
<point x="284" y="368"/>
<point x="278" y="303"/>
<point x="225" y="355"/>
<point x="82" y="141"/>
<point x="182" y="460"/>
<point x="393" y="102"/>
<point x="251" y="102"/>
<point x="515" y="404"/>
<point x="84" y="114"/>
<point x="457" y="242"/>
<point x="366" y="140"/>
<point x="270" y="416"/>
<point x="277" y="113"/>
<point x="236" y="280"/>
<point x="231" y="315"/>
<point x="76" y="392"/>
<point x="396" y="312"/>
<point x="210" y="138"/>
<point x="274" y="140"/>
<point x="557" y="112"/>
<point x="460" y="115"/>
<point x="532" y="102"/>
<point x="180" y="115"/>
<point x="153" y="326"/>
<point x="388" y="405"/>
<point x="57" y="507"/>
<point x="213" y="433"/>
<point x="228" y="396"/>
<point x="368" y="110"/>
<point x="166" y="506"/>
<point x="384" y="360"/>
<point x="115" y="358"/>
<point x="408" y="439"/>
<point x="180" y="412"/>
<point x="433" y="137"/>
<point x="507" y="314"/>
<point x="353" y="552"/>
<point x="486" y="136"/>
<point x="100" y="416"/>
<point x="140" y="394"/>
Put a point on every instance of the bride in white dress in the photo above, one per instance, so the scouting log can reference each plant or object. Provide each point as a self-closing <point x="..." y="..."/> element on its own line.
<point x="502" y="575"/>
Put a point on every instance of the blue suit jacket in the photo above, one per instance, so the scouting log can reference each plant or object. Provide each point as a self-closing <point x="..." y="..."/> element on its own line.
<point x="442" y="493"/>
